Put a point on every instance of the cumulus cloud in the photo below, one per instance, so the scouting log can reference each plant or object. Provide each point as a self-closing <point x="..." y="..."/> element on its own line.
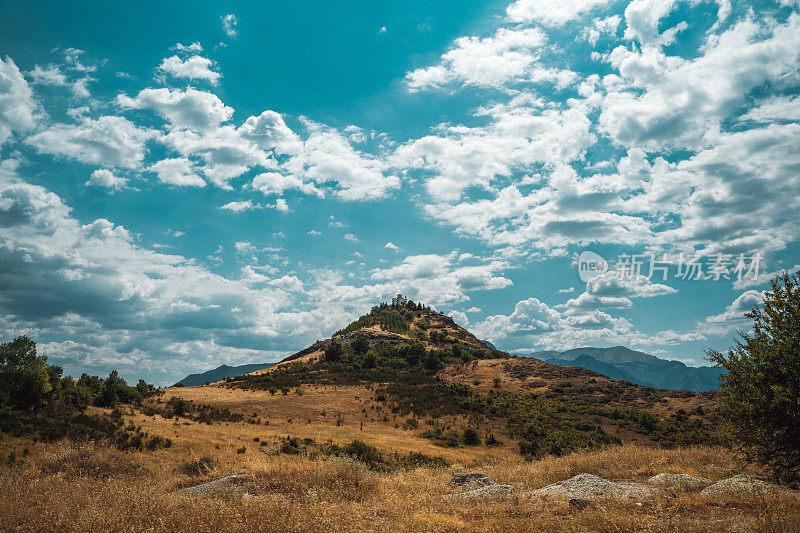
<point x="240" y="206"/>
<point x="108" y="140"/>
<point x="328" y="157"/>
<point x="485" y="62"/>
<point x="438" y="279"/>
<point x="188" y="108"/>
<point x="17" y="107"/>
<point x="550" y="13"/>
<point x="105" y="178"/>
<point x="177" y="171"/>
<point x="732" y="317"/>
<point x="193" y="68"/>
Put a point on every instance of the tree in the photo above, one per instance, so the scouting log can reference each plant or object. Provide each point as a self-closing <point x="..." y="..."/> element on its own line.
<point x="760" y="393"/>
<point x="24" y="375"/>
<point x="360" y="345"/>
<point x="333" y="352"/>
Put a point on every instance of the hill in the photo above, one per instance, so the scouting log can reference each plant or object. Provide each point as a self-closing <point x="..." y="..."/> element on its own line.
<point x="638" y="367"/>
<point x="421" y="367"/>
<point x="220" y="373"/>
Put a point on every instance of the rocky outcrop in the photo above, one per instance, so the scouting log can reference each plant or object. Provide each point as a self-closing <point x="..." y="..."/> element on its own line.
<point x="489" y="491"/>
<point x="475" y="485"/>
<point x="679" y="482"/>
<point x="223" y="485"/>
<point x="471" y="481"/>
<point x="589" y="487"/>
<point x="742" y="485"/>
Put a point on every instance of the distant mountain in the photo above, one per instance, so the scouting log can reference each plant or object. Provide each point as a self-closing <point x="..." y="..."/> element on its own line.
<point x="220" y="373"/>
<point x="638" y="367"/>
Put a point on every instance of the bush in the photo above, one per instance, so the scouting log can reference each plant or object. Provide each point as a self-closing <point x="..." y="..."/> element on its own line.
<point x="760" y="393"/>
<point x="199" y="467"/>
<point x="342" y="478"/>
<point x="471" y="437"/>
<point x="333" y="352"/>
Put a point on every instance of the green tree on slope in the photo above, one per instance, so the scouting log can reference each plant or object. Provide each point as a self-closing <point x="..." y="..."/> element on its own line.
<point x="760" y="393"/>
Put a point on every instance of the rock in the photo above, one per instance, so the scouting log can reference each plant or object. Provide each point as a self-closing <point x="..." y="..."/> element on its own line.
<point x="580" y="503"/>
<point x="222" y="485"/>
<point x="471" y="481"/>
<point x="489" y="491"/>
<point x="589" y="487"/>
<point x="680" y="482"/>
<point x="742" y="485"/>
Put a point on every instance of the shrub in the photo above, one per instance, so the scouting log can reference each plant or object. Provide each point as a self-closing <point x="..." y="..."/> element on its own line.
<point x="199" y="467"/>
<point x="342" y="478"/>
<point x="471" y="437"/>
<point x="333" y="352"/>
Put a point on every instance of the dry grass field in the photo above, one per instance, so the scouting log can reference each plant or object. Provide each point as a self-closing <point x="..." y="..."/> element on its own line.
<point x="63" y="487"/>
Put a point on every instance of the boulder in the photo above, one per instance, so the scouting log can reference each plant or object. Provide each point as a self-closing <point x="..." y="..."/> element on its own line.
<point x="589" y="487"/>
<point x="489" y="491"/>
<point x="223" y="485"/>
<point x="742" y="485"/>
<point x="471" y="481"/>
<point x="679" y="482"/>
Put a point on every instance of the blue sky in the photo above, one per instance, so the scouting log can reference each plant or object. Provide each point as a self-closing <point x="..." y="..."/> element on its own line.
<point x="183" y="185"/>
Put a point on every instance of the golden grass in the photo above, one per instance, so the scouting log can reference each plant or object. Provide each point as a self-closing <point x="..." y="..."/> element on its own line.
<point x="301" y="494"/>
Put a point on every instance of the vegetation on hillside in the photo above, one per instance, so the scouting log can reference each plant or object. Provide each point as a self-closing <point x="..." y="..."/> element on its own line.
<point x="406" y="377"/>
<point x="760" y="393"/>
<point x="36" y="401"/>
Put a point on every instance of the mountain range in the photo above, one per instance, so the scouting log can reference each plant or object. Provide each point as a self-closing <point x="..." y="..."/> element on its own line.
<point x="220" y="373"/>
<point x="637" y="367"/>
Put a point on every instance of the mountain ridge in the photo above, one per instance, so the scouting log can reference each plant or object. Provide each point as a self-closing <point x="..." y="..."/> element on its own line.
<point x="220" y="373"/>
<point x="640" y="367"/>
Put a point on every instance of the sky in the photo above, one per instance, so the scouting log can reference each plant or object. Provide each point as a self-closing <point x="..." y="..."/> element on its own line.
<point x="184" y="185"/>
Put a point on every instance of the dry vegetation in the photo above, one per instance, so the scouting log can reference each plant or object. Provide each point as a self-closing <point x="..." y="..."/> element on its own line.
<point x="60" y="487"/>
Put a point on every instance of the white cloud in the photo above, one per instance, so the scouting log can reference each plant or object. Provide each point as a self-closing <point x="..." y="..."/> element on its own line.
<point x="460" y="318"/>
<point x="517" y="138"/>
<point x="240" y="206"/>
<point x="600" y="27"/>
<point x="329" y="158"/>
<point x="776" y="108"/>
<point x="733" y="316"/>
<point x="188" y="108"/>
<point x="350" y="237"/>
<point x="229" y="23"/>
<point x="105" y="178"/>
<point x="51" y="75"/>
<point x="177" y="171"/>
<point x="551" y="13"/>
<point x="193" y="68"/>
<point x="108" y="140"/>
<point x="270" y="132"/>
<point x="391" y="246"/>
<point x="485" y="62"/>
<point x="194" y="48"/>
<point x="437" y="279"/>
<point x="669" y="102"/>
<point x="17" y="108"/>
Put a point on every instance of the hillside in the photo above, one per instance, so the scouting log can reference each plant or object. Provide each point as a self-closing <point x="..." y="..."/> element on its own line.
<point x="220" y="373"/>
<point x="428" y="372"/>
<point x="638" y="367"/>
